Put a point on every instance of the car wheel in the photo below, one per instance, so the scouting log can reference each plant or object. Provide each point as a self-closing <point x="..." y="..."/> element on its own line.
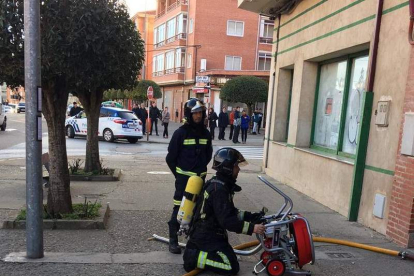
<point x="108" y="135"/>
<point x="132" y="140"/>
<point x="4" y="125"/>
<point x="70" y="132"/>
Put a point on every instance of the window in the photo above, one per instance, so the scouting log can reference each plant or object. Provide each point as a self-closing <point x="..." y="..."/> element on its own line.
<point x="339" y="103"/>
<point x="169" y="61"/>
<point x="265" y="61"/>
<point x="159" y="35"/>
<point x="182" y="25"/>
<point x="171" y="29"/>
<point x="158" y="65"/>
<point x="233" y="63"/>
<point x="179" y="60"/>
<point x="235" y="28"/>
<point x="189" y="60"/>
<point x="266" y="31"/>
<point x="191" y="26"/>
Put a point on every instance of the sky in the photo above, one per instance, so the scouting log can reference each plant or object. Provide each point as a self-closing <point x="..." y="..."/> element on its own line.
<point x="135" y="6"/>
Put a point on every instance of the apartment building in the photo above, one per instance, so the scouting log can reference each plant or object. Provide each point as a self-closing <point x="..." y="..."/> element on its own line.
<point x="342" y="108"/>
<point x="199" y="45"/>
<point x="144" y="22"/>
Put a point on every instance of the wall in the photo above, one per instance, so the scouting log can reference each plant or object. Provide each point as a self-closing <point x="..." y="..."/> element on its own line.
<point x="321" y="30"/>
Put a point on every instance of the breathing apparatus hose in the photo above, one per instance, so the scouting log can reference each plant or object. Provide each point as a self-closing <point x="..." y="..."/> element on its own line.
<point x="402" y="254"/>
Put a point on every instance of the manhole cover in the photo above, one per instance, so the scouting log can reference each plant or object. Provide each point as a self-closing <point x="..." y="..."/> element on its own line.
<point x="158" y="172"/>
<point x="341" y="255"/>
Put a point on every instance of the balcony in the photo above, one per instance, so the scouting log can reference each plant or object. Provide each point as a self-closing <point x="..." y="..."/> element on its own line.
<point x="266" y="40"/>
<point x="266" y="7"/>
<point x="176" y="70"/>
<point x="178" y="37"/>
<point x="172" y="6"/>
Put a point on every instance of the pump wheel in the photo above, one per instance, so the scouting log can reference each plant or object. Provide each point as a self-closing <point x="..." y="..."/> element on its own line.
<point x="275" y="267"/>
<point x="266" y="257"/>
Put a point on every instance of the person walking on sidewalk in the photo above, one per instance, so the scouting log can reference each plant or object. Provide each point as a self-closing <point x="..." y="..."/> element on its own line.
<point x="255" y="122"/>
<point x="165" y="120"/>
<point x="245" y="119"/>
<point x="136" y="110"/>
<point x="223" y="122"/>
<point x="154" y="115"/>
<point x="208" y="247"/>
<point x="231" y="121"/>
<point x="189" y="152"/>
<point x="143" y="115"/>
<point x="212" y="121"/>
<point x="259" y="123"/>
<point x="236" y="123"/>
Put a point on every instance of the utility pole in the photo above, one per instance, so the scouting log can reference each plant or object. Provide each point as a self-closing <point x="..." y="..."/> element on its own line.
<point x="34" y="191"/>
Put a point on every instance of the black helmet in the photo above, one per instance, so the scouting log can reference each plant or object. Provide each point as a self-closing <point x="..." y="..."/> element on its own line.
<point x="193" y="105"/>
<point x="226" y="158"/>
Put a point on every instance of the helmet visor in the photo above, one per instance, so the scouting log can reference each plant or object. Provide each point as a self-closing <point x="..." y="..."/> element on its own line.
<point x="199" y="106"/>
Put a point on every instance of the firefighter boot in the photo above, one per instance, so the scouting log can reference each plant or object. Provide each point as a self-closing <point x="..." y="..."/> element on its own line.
<point x="173" y="245"/>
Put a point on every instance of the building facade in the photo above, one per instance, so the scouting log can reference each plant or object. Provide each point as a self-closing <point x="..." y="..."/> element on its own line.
<point x="330" y="137"/>
<point x="144" y="22"/>
<point x="198" y="48"/>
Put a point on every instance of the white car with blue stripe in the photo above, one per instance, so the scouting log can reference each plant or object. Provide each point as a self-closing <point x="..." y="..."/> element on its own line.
<point x="114" y="123"/>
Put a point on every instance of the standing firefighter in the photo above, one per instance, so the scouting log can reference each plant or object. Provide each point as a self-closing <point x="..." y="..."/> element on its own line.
<point x="189" y="152"/>
<point x="208" y="247"/>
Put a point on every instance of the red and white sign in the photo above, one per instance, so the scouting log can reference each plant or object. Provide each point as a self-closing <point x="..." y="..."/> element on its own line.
<point x="200" y="90"/>
<point x="150" y="92"/>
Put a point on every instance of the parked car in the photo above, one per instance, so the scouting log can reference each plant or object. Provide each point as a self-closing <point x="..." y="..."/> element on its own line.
<point x="114" y="123"/>
<point x="7" y="109"/>
<point x="21" y="107"/>
<point x="3" y="117"/>
<point x="13" y="107"/>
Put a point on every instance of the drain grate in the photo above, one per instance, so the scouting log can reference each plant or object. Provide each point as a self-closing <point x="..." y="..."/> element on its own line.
<point x="341" y="255"/>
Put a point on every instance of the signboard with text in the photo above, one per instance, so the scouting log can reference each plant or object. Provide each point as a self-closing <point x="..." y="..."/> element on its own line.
<point x="202" y="79"/>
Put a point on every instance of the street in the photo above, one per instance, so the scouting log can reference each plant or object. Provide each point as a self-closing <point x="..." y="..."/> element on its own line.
<point x="141" y="205"/>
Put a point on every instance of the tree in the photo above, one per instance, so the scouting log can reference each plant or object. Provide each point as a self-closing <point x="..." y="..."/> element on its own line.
<point x="245" y="89"/>
<point x="108" y="53"/>
<point x="56" y="25"/>
<point x="140" y="91"/>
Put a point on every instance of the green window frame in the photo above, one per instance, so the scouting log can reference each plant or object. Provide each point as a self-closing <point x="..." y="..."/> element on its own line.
<point x="339" y="148"/>
<point x="289" y="105"/>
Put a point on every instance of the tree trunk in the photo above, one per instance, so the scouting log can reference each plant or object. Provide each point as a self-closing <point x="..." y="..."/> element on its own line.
<point x="92" y="105"/>
<point x="59" y="200"/>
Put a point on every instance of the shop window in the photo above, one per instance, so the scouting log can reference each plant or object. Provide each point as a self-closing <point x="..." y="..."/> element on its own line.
<point x="337" y="116"/>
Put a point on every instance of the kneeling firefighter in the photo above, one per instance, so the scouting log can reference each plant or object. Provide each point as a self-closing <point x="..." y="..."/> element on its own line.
<point x="189" y="152"/>
<point x="208" y="247"/>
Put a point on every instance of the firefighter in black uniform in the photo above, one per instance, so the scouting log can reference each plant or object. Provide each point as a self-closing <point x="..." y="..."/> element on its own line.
<point x="189" y="152"/>
<point x="208" y="247"/>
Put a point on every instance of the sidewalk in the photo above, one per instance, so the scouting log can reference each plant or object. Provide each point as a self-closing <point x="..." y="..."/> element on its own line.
<point x="141" y="205"/>
<point x="252" y="140"/>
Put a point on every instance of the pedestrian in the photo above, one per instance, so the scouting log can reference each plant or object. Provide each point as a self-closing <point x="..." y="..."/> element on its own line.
<point x="75" y="109"/>
<point x="165" y="120"/>
<point x="208" y="247"/>
<point x="137" y="110"/>
<point x="255" y="121"/>
<point x="236" y="123"/>
<point x="223" y="122"/>
<point x="143" y="117"/>
<point x="245" y="119"/>
<point x="212" y="121"/>
<point x="231" y="121"/>
<point x="189" y="152"/>
<point x="259" y="123"/>
<point x="154" y="115"/>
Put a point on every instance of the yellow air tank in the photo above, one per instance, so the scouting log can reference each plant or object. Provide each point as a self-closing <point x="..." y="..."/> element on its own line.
<point x="186" y="211"/>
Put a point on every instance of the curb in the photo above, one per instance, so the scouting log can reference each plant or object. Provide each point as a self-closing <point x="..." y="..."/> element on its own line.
<point x="115" y="177"/>
<point x="49" y="224"/>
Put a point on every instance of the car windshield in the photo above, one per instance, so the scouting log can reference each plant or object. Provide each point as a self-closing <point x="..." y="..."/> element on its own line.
<point x="127" y="115"/>
<point x="22" y="104"/>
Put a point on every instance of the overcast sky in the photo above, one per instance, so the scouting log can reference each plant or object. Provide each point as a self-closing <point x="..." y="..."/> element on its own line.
<point x="140" y="5"/>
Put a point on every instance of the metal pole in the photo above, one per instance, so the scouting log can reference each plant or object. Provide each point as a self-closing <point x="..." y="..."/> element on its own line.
<point x="34" y="191"/>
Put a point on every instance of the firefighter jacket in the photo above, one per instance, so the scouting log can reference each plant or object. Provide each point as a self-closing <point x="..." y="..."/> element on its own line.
<point x="190" y="150"/>
<point x="216" y="213"/>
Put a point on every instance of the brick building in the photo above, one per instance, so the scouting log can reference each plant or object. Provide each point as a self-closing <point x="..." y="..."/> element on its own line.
<point x="339" y="133"/>
<point x="195" y="38"/>
<point x="144" y="22"/>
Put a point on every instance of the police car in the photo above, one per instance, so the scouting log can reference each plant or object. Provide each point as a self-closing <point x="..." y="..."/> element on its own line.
<point x="114" y="123"/>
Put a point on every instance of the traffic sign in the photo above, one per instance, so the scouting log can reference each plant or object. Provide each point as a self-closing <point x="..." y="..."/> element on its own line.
<point x="150" y="92"/>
